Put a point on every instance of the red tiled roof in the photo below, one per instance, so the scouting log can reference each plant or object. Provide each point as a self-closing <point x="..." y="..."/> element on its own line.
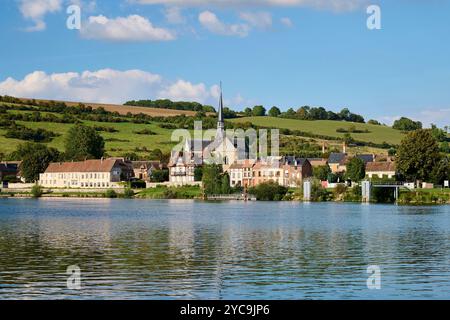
<point x="380" y="166"/>
<point x="83" y="166"/>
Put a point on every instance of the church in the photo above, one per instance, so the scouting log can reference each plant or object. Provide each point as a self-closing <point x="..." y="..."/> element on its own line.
<point x="195" y="153"/>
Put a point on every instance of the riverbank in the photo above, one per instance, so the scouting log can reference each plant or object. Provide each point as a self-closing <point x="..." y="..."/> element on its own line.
<point x="347" y="195"/>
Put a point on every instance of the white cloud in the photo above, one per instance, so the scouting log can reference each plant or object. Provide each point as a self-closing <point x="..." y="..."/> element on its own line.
<point x="107" y="86"/>
<point x="186" y="91"/>
<point x="286" y="22"/>
<point x="35" y="10"/>
<point x="174" y="15"/>
<point x="438" y="116"/>
<point x="261" y="20"/>
<point x="131" y="28"/>
<point x="210" y="21"/>
<point x="335" y="5"/>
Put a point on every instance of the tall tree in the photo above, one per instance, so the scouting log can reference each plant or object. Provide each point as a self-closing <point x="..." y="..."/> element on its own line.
<point x="258" y="111"/>
<point x="211" y="179"/>
<point x="417" y="155"/>
<point x="406" y="124"/>
<point x="226" y="189"/>
<point x="84" y="142"/>
<point x="356" y="169"/>
<point x="274" y="112"/>
<point x="35" y="159"/>
<point x="322" y="172"/>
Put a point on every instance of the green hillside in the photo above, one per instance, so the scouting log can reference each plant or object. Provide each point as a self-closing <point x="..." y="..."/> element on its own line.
<point x="375" y="134"/>
<point x="118" y="143"/>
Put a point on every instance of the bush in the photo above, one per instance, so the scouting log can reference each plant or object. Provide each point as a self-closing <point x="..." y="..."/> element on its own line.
<point x="145" y="131"/>
<point x="128" y="193"/>
<point x="110" y="194"/>
<point x="269" y="191"/>
<point x="138" y="184"/>
<point x="37" y="191"/>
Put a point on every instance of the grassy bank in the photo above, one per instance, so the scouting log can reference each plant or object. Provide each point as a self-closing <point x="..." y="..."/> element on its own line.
<point x="163" y="192"/>
<point x="425" y="197"/>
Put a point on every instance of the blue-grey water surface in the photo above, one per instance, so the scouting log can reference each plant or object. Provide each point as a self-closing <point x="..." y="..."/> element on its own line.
<point x="139" y="249"/>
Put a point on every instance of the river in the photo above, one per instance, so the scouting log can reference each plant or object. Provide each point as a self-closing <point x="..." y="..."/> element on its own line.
<point x="176" y="249"/>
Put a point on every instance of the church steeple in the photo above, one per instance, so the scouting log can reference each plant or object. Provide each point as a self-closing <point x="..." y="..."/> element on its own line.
<point x="220" y="121"/>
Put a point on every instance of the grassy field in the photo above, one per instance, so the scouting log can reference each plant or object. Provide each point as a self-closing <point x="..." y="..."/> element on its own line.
<point x="125" y="139"/>
<point x="154" y="112"/>
<point x="377" y="134"/>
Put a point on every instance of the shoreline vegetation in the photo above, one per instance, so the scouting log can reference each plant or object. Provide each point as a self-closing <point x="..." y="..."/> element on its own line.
<point x="342" y="195"/>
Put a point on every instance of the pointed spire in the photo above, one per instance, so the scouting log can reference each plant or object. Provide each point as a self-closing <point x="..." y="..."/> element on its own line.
<point x="220" y="120"/>
<point x="221" y="104"/>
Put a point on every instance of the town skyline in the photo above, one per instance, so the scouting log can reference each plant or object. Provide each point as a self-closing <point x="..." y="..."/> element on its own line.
<point x="318" y="55"/>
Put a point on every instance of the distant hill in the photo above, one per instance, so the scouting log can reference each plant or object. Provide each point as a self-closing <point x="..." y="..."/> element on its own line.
<point x="124" y="109"/>
<point x="364" y="132"/>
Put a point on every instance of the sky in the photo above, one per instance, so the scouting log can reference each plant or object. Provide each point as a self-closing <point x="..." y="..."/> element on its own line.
<point x="285" y="53"/>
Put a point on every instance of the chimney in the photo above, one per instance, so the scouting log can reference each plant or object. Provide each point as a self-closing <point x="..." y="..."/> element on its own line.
<point x="344" y="147"/>
<point x="323" y="147"/>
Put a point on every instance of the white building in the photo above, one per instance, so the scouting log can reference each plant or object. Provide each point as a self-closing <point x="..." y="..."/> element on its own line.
<point x="104" y="173"/>
<point x="381" y="170"/>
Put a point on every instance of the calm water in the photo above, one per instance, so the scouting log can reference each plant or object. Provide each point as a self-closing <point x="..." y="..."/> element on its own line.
<point x="132" y="249"/>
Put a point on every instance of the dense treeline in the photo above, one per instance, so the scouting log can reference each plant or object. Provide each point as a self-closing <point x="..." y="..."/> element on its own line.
<point x="23" y="133"/>
<point x="306" y="113"/>
<point x="168" y="104"/>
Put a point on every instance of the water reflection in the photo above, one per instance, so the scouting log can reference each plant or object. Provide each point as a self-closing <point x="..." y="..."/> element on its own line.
<point x="186" y="249"/>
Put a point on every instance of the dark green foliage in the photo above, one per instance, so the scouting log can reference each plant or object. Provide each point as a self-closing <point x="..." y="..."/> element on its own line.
<point x="274" y="112"/>
<point x="105" y="129"/>
<point x="258" y="111"/>
<point x="198" y="174"/>
<point x="160" y="175"/>
<point x="167" y="104"/>
<point x="392" y="152"/>
<point x="356" y="169"/>
<point x="319" y="193"/>
<point x="417" y="155"/>
<point x="132" y="156"/>
<point x="374" y="122"/>
<point x="36" y="191"/>
<point x="128" y="193"/>
<point x="110" y="193"/>
<point x="439" y="134"/>
<point x="83" y="142"/>
<point x="320" y="113"/>
<point x="146" y="132"/>
<point x="269" y="191"/>
<point x="212" y="179"/>
<point x="441" y="172"/>
<point x="35" y="159"/>
<point x="138" y="184"/>
<point x="226" y="189"/>
<point x="27" y="134"/>
<point x="406" y="124"/>
<point x="322" y="172"/>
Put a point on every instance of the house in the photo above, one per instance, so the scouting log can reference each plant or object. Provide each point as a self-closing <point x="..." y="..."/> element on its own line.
<point x="236" y="173"/>
<point x="337" y="162"/>
<point x="288" y="172"/>
<point x="143" y="169"/>
<point x="366" y="158"/>
<point x="296" y="170"/>
<point x="381" y="169"/>
<point x="318" y="162"/>
<point x="103" y="173"/>
<point x="9" y="169"/>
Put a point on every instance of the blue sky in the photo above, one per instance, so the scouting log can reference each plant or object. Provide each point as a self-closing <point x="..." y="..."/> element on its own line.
<point x="286" y="53"/>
